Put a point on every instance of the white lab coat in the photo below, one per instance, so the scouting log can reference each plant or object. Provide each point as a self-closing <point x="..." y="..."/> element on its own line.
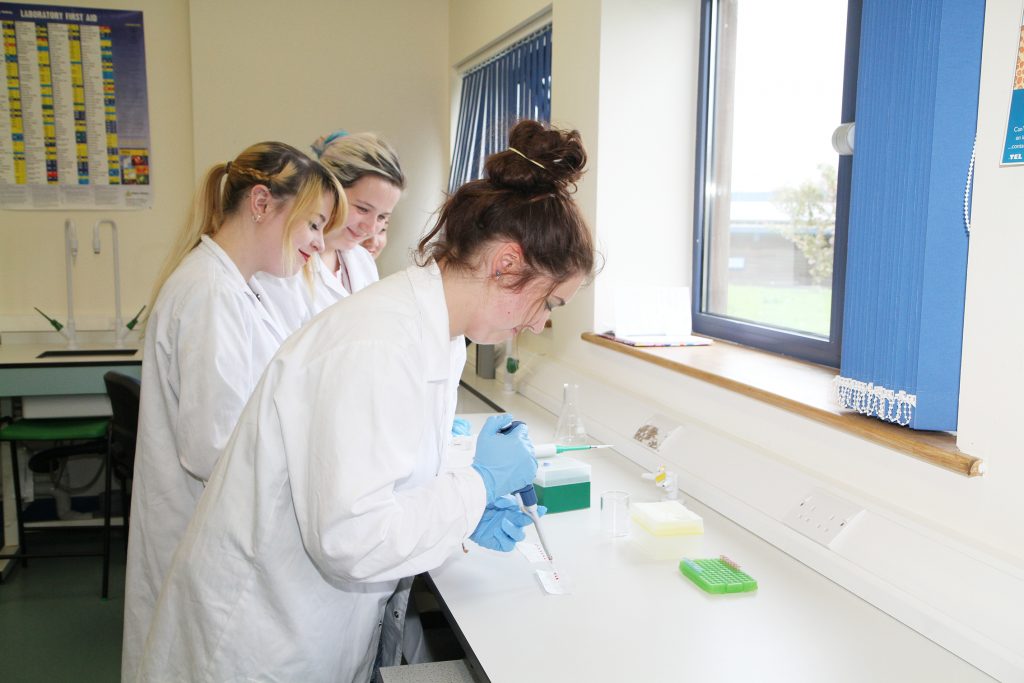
<point x="208" y="339"/>
<point x="334" y="487"/>
<point x="294" y="302"/>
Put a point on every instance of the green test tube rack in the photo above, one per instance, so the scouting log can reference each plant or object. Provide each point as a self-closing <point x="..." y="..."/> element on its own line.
<point x="717" y="575"/>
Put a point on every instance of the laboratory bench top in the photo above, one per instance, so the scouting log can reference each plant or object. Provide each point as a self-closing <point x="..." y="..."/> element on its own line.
<point x="49" y="370"/>
<point x="632" y="616"/>
<point x="57" y="355"/>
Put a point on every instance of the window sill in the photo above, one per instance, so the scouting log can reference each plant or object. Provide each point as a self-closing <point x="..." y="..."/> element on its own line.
<point x="800" y="388"/>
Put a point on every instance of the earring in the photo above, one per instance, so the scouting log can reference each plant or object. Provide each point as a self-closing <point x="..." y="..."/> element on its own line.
<point x="497" y="274"/>
<point x="257" y="217"/>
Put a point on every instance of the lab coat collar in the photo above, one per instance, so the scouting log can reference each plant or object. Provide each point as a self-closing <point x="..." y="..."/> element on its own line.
<point x="428" y="289"/>
<point x="224" y="260"/>
<point x="252" y="289"/>
<point x="329" y="278"/>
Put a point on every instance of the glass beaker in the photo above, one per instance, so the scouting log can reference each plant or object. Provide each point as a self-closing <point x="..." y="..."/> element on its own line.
<point x="615" y="513"/>
<point x="570" y="429"/>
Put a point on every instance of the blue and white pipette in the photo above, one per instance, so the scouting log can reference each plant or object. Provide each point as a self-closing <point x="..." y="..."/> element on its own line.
<point x="528" y="496"/>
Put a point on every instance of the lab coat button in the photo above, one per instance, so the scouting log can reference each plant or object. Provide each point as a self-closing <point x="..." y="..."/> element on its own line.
<point x="395" y="613"/>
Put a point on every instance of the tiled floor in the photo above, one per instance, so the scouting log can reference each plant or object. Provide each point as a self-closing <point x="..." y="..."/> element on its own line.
<point x="54" y="627"/>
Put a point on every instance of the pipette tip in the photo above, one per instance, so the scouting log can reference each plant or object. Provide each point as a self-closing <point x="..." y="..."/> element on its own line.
<point x="583" y="447"/>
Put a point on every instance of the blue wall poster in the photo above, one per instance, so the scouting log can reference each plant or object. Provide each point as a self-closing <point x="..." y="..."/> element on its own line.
<point x="74" y="113"/>
<point x="1013" y="150"/>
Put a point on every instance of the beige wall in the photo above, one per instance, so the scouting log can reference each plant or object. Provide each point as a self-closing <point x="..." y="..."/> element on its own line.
<point x="223" y="75"/>
<point x="648" y="78"/>
<point x="993" y="367"/>
<point x="359" y="65"/>
<point x="477" y="24"/>
<point x="32" y="255"/>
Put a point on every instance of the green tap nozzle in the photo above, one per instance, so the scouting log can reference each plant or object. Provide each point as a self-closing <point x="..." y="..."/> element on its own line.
<point x="135" y="321"/>
<point x="56" y="323"/>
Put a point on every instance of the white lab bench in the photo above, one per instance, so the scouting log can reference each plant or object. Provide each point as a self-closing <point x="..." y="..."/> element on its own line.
<point x="632" y="616"/>
<point x="54" y="386"/>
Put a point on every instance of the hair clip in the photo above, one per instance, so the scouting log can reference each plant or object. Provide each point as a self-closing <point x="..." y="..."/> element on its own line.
<point x="334" y="136"/>
<point x="535" y="163"/>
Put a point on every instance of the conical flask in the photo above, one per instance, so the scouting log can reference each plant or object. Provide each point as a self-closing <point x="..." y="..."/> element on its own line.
<point x="570" y="429"/>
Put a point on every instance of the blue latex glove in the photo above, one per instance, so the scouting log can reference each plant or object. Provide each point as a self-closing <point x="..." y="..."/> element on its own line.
<point x="504" y="461"/>
<point x="461" y="427"/>
<point x="501" y="527"/>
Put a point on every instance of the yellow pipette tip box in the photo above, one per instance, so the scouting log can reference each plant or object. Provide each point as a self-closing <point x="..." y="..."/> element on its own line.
<point x="667" y="518"/>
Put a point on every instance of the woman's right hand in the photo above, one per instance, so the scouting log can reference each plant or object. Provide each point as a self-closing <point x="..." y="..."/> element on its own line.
<point x="504" y="460"/>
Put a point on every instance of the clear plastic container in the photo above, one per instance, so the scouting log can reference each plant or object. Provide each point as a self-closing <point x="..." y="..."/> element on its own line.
<point x="667" y="518"/>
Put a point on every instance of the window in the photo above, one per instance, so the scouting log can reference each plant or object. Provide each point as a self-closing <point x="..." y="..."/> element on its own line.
<point x="772" y="195"/>
<point x="513" y="85"/>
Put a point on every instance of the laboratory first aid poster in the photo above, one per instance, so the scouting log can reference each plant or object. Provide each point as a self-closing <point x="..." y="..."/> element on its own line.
<point x="74" y="116"/>
<point x="1013" y="152"/>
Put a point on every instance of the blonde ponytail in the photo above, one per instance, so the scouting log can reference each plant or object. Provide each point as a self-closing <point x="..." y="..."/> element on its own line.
<point x="285" y="171"/>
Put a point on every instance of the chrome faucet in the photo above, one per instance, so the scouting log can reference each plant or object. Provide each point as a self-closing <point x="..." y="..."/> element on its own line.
<point x="120" y="329"/>
<point x="70" y="254"/>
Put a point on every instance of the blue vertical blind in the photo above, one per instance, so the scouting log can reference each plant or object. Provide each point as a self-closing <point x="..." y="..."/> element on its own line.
<point x="513" y="85"/>
<point x="920" y="65"/>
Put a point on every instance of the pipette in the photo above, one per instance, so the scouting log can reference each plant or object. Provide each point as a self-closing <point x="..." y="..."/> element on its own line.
<point x="543" y="450"/>
<point x="528" y="496"/>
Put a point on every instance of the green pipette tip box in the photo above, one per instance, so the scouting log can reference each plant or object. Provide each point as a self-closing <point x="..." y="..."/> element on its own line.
<point x="564" y="498"/>
<point x="717" y="575"/>
<point x="563" y="484"/>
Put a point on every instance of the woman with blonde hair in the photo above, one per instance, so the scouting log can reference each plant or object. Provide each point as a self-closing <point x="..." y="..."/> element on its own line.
<point x="375" y="243"/>
<point x="368" y="169"/>
<point x="209" y="337"/>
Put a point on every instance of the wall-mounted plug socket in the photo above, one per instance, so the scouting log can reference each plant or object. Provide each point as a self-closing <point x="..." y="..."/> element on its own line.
<point x="822" y="516"/>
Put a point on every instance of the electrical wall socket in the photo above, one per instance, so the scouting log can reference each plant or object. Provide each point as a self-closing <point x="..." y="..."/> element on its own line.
<point x="822" y="516"/>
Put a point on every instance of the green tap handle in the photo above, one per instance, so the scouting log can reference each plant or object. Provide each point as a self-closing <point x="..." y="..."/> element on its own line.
<point x="56" y="323"/>
<point x="135" y="321"/>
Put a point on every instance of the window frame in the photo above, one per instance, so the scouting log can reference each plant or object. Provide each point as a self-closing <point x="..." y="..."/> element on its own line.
<point x="803" y="346"/>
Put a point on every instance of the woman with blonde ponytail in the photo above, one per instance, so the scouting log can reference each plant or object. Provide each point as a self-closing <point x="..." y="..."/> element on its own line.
<point x="209" y="337"/>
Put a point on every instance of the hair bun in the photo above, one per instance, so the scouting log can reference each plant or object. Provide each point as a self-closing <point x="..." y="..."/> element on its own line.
<point x="539" y="158"/>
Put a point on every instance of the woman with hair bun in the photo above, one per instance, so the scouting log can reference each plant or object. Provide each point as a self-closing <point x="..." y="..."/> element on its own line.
<point x="209" y="337"/>
<point x="336" y="487"/>
<point x="369" y="171"/>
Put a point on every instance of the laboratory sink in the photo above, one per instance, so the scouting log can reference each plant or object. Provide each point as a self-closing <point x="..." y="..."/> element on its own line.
<point x="87" y="352"/>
